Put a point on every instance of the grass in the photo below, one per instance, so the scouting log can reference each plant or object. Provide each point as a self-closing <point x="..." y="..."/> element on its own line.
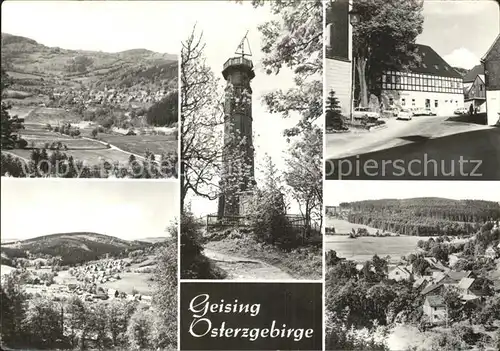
<point x="363" y="248"/>
<point x="130" y="281"/>
<point x="301" y="263"/>
<point x="138" y="144"/>
<point x="89" y="157"/>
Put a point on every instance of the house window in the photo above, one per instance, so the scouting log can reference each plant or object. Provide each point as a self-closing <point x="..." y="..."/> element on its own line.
<point x="435" y="103"/>
<point x="403" y="102"/>
<point x="413" y="102"/>
<point x="391" y="101"/>
<point x="383" y="78"/>
<point x="481" y="87"/>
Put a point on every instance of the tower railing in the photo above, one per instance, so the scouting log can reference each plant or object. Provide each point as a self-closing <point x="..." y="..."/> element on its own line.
<point x="236" y="61"/>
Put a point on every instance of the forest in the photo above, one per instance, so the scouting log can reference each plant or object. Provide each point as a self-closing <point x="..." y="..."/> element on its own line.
<point x="424" y="216"/>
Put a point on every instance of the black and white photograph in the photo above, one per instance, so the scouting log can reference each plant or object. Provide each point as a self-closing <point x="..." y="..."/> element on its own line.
<point x="251" y="140"/>
<point x="412" y="90"/>
<point x="412" y="265"/>
<point x="89" y="264"/>
<point x="90" y="89"/>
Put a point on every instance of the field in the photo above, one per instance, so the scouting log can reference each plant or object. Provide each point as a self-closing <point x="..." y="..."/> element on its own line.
<point x="130" y="281"/>
<point x="363" y="248"/>
<point x="138" y="144"/>
<point x="88" y="157"/>
<point x="344" y="227"/>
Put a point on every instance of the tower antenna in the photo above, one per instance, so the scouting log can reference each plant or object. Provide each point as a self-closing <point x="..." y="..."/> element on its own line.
<point x="240" y="50"/>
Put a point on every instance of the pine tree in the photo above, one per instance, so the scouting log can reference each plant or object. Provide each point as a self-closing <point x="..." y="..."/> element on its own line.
<point x="333" y="116"/>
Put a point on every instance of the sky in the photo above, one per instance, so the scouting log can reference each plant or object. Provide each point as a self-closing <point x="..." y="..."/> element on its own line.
<point x="222" y="37"/>
<point x="110" y="26"/>
<point x="124" y="209"/>
<point x="336" y="192"/>
<point x="460" y="31"/>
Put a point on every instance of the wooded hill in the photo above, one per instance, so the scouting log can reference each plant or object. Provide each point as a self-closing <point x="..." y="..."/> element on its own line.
<point x="423" y="216"/>
<point x="73" y="248"/>
<point x="33" y="65"/>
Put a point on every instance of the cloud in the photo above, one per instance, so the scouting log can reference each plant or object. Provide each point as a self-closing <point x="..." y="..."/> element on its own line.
<point x="458" y="7"/>
<point x="462" y="57"/>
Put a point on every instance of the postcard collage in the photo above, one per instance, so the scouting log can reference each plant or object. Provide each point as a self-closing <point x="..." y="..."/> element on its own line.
<point x="250" y="175"/>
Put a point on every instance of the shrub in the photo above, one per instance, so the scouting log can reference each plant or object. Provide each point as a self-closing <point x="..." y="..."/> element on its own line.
<point x="195" y="265"/>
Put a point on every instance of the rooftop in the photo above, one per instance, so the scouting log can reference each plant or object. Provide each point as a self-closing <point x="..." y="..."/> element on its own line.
<point x="473" y="73"/>
<point x="432" y="63"/>
<point x="435" y="301"/>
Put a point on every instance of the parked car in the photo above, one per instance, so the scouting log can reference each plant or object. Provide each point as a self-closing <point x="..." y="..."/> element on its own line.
<point x="405" y="114"/>
<point x="391" y="111"/>
<point x="424" y="112"/>
<point x="362" y="112"/>
<point x="461" y="111"/>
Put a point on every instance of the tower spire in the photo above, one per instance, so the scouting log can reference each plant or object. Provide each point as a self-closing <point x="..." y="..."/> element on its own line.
<point x="240" y="50"/>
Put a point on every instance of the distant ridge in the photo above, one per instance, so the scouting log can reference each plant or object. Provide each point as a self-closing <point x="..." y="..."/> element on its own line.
<point x="77" y="247"/>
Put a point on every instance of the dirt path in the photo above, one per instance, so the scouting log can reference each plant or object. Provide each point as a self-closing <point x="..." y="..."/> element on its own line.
<point x="240" y="268"/>
<point x="114" y="147"/>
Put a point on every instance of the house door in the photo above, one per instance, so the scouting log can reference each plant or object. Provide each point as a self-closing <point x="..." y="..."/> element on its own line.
<point x="427" y="104"/>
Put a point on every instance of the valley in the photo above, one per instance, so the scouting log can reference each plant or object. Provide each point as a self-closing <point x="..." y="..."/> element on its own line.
<point x="413" y="274"/>
<point x="106" y="113"/>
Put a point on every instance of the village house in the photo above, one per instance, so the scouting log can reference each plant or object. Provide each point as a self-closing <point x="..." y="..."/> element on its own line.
<point x="468" y="291"/>
<point x="435" y="309"/>
<point x="338" y="62"/>
<point x="491" y="63"/>
<point x="475" y="94"/>
<point x="490" y="252"/>
<point x="401" y="273"/>
<point x="431" y="84"/>
<point x="453" y="278"/>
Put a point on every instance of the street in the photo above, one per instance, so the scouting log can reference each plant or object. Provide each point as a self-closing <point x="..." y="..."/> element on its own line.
<point x="424" y="148"/>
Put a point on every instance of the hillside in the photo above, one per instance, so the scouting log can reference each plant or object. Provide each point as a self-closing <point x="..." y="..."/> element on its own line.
<point x="34" y="66"/>
<point x="423" y="216"/>
<point x="462" y="71"/>
<point x="72" y="247"/>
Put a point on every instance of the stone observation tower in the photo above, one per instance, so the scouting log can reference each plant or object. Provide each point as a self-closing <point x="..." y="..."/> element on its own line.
<point x="238" y="155"/>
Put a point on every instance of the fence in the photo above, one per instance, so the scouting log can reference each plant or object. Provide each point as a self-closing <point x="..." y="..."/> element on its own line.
<point x="297" y="222"/>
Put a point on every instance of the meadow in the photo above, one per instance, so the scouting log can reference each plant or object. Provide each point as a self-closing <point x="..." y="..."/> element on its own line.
<point x="130" y="281"/>
<point x="88" y="157"/>
<point x="343" y="227"/>
<point x="138" y="144"/>
<point x="363" y="248"/>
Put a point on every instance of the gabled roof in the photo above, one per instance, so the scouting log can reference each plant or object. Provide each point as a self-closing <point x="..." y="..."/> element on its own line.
<point x="471" y="75"/>
<point x="465" y="283"/>
<point x="458" y="275"/>
<point x="435" y="301"/>
<point x="491" y="48"/>
<point x="433" y="64"/>
<point x="403" y="269"/>
<point x="431" y="288"/>
<point x="420" y="282"/>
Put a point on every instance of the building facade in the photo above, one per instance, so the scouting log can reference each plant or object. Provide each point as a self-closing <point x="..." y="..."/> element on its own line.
<point x="491" y="62"/>
<point x="432" y="85"/>
<point x="400" y="273"/>
<point x="338" y="62"/>
<point x="435" y="309"/>
<point x="475" y="95"/>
